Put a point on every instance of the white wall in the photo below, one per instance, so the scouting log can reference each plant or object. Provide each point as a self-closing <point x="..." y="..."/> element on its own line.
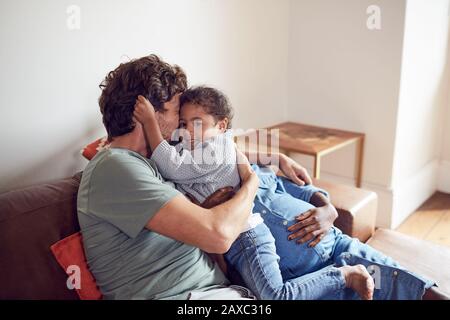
<point x="444" y="167"/>
<point x="50" y="74"/>
<point x="445" y="156"/>
<point x="391" y="84"/>
<point x="343" y="75"/>
<point x="422" y="105"/>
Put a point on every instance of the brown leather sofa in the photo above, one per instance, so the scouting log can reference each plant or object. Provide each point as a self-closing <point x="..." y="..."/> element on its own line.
<point x="34" y="218"/>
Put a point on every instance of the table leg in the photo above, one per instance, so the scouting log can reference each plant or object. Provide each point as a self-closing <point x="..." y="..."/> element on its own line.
<point x="359" y="162"/>
<point x="317" y="167"/>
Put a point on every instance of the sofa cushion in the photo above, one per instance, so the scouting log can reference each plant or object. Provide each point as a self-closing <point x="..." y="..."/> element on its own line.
<point x="69" y="253"/>
<point x="419" y="256"/>
<point x="92" y="148"/>
<point x="31" y="220"/>
<point x="357" y="209"/>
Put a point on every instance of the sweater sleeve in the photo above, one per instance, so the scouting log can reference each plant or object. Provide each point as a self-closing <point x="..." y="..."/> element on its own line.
<point x="184" y="167"/>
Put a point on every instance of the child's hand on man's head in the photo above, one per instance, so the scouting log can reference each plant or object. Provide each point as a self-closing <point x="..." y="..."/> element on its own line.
<point x="143" y="110"/>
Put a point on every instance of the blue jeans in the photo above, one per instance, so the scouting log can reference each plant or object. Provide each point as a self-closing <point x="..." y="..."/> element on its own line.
<point x="275" y="268"/>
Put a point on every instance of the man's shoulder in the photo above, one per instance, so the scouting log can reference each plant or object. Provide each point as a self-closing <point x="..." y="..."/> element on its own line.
<point x="117" y="154"/>
<point x="116" y="173"/>
<point x="116" y="158"/>
<point x="116" y="165"/>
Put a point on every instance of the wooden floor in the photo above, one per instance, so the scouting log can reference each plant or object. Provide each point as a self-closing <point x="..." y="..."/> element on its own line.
<point x="431" y="221"/>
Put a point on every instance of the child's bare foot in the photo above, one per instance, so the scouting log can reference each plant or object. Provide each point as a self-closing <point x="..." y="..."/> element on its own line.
<point x="358" y="279"/>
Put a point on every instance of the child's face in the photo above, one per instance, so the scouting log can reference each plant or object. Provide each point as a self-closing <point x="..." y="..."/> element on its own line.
<point x="200" y="125"/>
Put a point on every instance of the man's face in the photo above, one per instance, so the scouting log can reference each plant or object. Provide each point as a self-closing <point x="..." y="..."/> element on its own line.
<point x="168" y="118"/>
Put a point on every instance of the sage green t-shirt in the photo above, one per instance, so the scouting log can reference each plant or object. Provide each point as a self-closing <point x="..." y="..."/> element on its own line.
<point x="119" y="193"/>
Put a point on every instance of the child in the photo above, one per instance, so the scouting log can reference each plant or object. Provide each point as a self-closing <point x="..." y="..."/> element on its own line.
<point x="205" y="161"/>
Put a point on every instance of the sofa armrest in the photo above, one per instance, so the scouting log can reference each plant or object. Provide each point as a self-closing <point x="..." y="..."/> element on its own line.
<point x="357" y="209"/>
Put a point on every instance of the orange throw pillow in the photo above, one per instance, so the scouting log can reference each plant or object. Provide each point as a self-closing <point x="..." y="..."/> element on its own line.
<point x="92" y="148"/>
<point x="69" y="252"/>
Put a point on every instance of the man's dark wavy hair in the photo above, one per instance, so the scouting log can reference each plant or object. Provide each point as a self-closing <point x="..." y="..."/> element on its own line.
<point x="148" y="76"/>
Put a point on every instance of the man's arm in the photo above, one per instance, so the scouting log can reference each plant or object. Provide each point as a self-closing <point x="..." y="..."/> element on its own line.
<point x="318" y="199"/>
<point x="290" y="168"/>
<point x="212" y="230"/>
<point x="315" y="223"/>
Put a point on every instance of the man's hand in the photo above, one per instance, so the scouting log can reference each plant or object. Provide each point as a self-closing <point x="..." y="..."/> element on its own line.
<point x="144" y="112"/>
<point x="291" y="169"/>
<point x="294" y="171"/>
<point x="220" y="196"/>
<point x="313" y="224"/>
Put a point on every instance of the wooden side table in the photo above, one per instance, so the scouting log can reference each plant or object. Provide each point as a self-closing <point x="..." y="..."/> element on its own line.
<point x="317" y="142"/>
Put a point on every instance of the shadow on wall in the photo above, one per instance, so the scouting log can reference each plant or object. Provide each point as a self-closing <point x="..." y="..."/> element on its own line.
<point x="61" y="163"/>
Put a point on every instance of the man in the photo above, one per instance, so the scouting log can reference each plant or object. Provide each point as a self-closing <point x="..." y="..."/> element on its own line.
<point x="143" y="239"/>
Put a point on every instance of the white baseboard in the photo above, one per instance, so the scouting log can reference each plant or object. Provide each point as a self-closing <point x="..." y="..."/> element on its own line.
<point x="444" y="177"/>
<point x="413" y="192"/>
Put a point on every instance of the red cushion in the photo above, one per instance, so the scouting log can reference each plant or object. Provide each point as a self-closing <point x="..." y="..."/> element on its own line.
<point x="69" y="252"/>
<point x="92" y="148"/>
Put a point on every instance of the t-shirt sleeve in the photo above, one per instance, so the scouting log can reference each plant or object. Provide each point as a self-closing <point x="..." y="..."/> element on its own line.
<point x="126" y="192"/>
